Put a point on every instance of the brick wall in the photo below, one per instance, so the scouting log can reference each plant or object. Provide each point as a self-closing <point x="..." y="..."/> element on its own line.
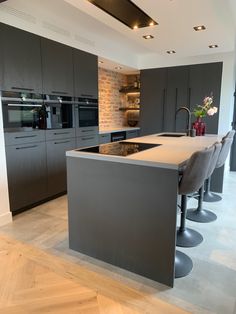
<point x="109" y="83"/>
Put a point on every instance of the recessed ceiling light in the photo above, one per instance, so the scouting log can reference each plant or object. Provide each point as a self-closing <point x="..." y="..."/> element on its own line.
<point x="213" y="46"/>
<point x="170" y="51"/>
<point x="135" y="27"/>
<point x="199" y="28"/>
<point x="148" y="37"/>
<point x="151" y="23"/>
<point x="118" y="68"/>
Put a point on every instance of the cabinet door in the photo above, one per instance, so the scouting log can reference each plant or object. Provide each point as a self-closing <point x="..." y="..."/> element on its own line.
<point x="56" y="164"/>
<point x="132" y="134"/>
<point x="176" y="97"/>
<point x="57" y="65"/>
<point x="153" y="94"/>
<point x="26" y="171"/>
<point x="204" y="80"/>
<point x="86" y="141"/>
<point x="21" y="60"/>
<point x="104" y="138"/>
<point x="85" y="74"/>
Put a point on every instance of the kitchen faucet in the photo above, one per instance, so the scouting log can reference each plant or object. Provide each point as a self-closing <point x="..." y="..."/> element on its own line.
<point x="189" y="119"/>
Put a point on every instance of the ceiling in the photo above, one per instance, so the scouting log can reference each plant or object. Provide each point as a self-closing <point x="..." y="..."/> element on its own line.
<point x="176" y="19"/>
<point x="82" y="25"/>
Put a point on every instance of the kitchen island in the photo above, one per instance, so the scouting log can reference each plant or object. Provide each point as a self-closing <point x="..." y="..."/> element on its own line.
<point x="123" y="210"/>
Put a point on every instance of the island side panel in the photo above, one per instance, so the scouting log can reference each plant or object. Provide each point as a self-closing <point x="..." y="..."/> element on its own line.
<point x="124" y="214"/>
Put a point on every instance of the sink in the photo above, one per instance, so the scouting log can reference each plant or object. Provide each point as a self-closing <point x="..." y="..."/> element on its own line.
<point x="171" y="134"/>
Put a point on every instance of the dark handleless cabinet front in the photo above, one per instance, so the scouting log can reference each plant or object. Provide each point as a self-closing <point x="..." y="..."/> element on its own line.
<point x="176" y="97"/>
<point x="27" y="174"/>
<point x="57" y="68"/>
<point x="153" y="96"/>
<point x="204" y="80"/>
<point x="21" y="60"/>
<point x="85" y="74"/>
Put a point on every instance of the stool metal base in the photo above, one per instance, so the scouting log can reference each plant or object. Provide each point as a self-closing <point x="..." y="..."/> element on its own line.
<point x="183" y="264"/>
<point x="202" y="215"/>
<point x="188" y="238"/>
<point x="211" y="197"/>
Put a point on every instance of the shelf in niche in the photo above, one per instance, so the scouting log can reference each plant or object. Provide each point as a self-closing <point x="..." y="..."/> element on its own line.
<point x="128" y="108"/>
<point x="127" y="90"/>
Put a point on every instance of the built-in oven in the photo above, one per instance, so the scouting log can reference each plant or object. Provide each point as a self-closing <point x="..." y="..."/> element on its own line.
<point x="86" y="111"/>
<point x="59" y="111"/>
<point x="23" y="110"/>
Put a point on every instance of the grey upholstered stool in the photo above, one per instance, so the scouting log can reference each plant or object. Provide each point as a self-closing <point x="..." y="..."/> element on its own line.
<point x="192" y="179"/>
<point x="208" y="195"/>
<point x="200" y="214"/>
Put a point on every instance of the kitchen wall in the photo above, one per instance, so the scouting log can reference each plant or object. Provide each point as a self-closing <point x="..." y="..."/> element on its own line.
<point x="109" y="84"/>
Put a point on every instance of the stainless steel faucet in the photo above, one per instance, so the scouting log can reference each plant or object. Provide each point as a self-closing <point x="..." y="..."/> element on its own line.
<point x="188" y="131"/>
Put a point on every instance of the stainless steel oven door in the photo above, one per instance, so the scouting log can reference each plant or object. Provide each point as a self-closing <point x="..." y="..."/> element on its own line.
<point x="19" y="115"/>
<point x="88" y="116"/>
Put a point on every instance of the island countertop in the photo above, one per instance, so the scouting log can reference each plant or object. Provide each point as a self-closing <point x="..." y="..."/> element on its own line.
<point x="171" y="154"/>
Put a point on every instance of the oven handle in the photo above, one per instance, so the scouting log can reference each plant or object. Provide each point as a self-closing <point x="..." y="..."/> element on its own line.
<point x="23" y="105"/>
<point x="88" y="107"/>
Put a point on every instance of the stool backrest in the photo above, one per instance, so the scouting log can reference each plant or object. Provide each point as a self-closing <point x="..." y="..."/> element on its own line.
<point x="226" y="144"/>
<point x="230" y="134"/>
<point x="214" y="158"/>
<point x="196" y="171"/>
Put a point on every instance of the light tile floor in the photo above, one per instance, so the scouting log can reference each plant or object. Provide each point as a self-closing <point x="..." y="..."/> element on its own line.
<point x="211" y="286"/>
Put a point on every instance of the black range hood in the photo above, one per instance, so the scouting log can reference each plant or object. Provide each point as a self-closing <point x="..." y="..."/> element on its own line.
<point x="126" y="12"/>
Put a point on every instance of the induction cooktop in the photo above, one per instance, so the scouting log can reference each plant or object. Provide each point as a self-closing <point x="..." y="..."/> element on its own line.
<point x="118" y="148"/>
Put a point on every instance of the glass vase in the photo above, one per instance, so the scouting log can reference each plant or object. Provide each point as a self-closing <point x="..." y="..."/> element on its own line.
<point x="199" y="126"/>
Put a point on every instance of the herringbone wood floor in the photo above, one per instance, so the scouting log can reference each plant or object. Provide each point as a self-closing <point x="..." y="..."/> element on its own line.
<point x="33" y="281"/>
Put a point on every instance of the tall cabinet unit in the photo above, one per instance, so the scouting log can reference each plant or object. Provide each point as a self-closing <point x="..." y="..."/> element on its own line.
<point x="85" y="74"/>
<point x="176" y="97"/>
<point x="164" y="90"/>
<point x="204" y="80"/>
<point x="152" y="99"/>
<point x="57" y="67"/>
<point x="20" y="52"/>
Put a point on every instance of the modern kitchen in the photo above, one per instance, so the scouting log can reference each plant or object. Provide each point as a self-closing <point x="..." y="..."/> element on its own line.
<point x="118" y="156"/>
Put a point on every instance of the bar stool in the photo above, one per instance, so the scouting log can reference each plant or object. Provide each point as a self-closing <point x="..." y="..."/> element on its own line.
<point x="193" y="177"/>
<point x="208" y="195"/>
<point x="200" y="214"/>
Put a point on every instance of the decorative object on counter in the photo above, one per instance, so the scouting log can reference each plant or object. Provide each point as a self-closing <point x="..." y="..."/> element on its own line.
<point x="202" y="111"/>
<point x="132" y="117"/>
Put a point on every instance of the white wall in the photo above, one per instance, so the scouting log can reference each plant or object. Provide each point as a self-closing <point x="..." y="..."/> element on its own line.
<point x="227" y="84"/>
<point x="5" y="214"/>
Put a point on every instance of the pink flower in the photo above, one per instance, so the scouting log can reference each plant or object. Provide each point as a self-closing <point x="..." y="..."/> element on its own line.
<point x="210" y="112"/>
<point x="215" y="109"/>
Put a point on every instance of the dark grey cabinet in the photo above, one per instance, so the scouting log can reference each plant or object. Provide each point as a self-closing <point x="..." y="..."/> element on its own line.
<point x="176" y="97"/>
<point x="56" y="164"/>
<point x="132" y="134"/>
<point x="21" y="60"/>
<point x="26" y="170"/>
<point x="204" y="80"/>
<point x="85" y="74"/>
<point x="164" y="90"/>
<point x="1" y="58"/>
<point x="57" y="68"/>
<point x="153" y="97"/>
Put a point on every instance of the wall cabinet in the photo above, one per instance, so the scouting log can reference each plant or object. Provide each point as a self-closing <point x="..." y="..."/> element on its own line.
<point x="85" y="74"/>
<point x="164" y="90"/>
<point x="57" y="68"/>
<point x="56" y="164"/>
<point x="153" y="97"/>
<point x="26" y="170"/>
<point x="21" y="59"/>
